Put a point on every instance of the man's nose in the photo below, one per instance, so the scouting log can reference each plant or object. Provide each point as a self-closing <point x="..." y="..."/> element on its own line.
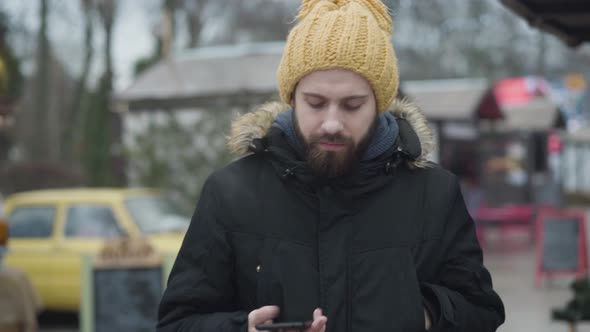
<point x="332" y="123"/>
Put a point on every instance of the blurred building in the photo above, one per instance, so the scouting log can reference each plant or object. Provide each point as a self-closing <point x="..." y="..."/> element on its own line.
<point x="456" y="110"/>
<point x="474" y="120"/>
<point x="219" y="78"/>
<point x="493" y="135"/>
<point x="194" y="95"/>
<point x="232" y="79"/>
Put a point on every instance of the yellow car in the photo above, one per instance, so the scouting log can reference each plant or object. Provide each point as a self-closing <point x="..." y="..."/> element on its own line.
<point x="51" y="230"/>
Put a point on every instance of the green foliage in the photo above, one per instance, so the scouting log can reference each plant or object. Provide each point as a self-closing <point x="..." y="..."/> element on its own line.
<point x="177" y="155"/>
<point x="96" y="150"/>
<point x="578" y="308"/>
<point x="145" y="63"/>
<point x="14" y="78"/>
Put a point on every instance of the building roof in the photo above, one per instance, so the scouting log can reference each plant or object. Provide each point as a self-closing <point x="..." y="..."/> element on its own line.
<point x="209" y="72"/>
<point x="537" y="114"/>
<point x="567" y="19"/>
<point x="450" y="99"/>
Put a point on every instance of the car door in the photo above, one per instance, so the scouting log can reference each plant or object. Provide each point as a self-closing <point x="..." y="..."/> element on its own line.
<point x="31" y="246"/>
<point x="85" y="229"/>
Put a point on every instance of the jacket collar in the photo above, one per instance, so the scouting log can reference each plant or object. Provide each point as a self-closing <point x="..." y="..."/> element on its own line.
<point x="415" y="140"/>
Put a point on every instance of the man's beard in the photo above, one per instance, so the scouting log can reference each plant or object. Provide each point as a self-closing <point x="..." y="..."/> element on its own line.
<point x="332" y="164"/>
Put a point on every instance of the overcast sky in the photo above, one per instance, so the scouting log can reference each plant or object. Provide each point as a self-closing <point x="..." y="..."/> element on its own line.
<point x="132" y="36"/>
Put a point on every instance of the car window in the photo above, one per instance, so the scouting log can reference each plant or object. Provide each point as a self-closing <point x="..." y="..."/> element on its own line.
<point x="91" y="221"/>
<point x="31" y="222"/>
<point x="155" y="215"/>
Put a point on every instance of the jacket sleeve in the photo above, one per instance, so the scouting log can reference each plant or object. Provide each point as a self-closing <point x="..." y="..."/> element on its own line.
<point x="200" y="292"/>
<point x="461" y="297"/>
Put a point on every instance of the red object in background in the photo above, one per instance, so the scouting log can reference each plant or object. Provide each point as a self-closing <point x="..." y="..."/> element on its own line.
<point x="554" y="143"/>
<point x="560" y="215"/>
<point x="519" y="90"/>
<point x="509" y="218"/>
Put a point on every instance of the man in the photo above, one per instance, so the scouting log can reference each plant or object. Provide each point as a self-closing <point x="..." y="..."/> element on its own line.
<point x="334" y="215"/>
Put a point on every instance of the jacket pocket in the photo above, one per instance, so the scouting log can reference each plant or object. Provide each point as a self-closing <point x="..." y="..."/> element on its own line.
<point x="439" y="298"/>
<point x="385" y="293"/>
<point x="471" y="279"/>
<point x="264" y="272"/>
<point x="461" y="281"/>
<point x="253" y="266"/>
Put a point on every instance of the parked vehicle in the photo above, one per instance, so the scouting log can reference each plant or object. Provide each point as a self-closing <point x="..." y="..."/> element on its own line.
<point x="51" y="230"/>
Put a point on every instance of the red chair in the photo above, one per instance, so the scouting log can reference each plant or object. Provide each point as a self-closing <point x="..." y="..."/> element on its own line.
<point x="509" y="218"/>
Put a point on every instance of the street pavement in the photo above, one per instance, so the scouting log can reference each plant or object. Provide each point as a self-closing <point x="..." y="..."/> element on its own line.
<point x="528" y="309"/>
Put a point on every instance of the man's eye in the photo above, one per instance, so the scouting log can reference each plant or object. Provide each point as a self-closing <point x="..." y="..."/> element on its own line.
<point x="316" y="105"/>
<point x="352" y="107"/>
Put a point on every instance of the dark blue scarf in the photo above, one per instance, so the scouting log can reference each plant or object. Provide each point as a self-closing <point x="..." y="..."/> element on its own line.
<point x="385" y="135"/>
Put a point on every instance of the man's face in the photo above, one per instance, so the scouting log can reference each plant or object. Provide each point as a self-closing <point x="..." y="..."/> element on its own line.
<point x="335" y="116"/>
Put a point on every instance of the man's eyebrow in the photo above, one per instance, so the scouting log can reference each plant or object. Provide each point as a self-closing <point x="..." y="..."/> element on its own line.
<point x="311" y="94"/>
<point x="356" y="97"/>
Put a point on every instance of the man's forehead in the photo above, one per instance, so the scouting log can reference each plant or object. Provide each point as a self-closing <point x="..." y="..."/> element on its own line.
<point x="339" y="82"/>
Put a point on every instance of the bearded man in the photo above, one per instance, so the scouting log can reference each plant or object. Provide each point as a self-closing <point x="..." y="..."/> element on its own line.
<point x="333" y="215"/>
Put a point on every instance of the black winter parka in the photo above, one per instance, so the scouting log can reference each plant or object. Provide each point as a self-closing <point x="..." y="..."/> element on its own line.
<point x="372" y="249"/>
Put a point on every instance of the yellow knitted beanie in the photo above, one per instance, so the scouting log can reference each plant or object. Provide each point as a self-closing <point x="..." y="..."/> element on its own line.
<point x="346" y="34"/>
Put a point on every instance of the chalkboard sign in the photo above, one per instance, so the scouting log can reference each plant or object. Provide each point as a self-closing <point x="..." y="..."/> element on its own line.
<point x="122" y="297"/>
<point x="561" y="243"/>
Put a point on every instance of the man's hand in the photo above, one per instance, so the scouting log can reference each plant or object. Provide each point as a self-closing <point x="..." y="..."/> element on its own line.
<point x="265" y="315"/>
<point x="427" y="321"/>
<point x="319" y="322"/>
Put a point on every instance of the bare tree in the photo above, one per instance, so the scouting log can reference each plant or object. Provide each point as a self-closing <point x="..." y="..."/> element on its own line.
<point x="106" y="11"/>
<point x="102" y="127"/>
<point x="39" y="137"/>
<point x="72" y="115"/>
<point x="193" y="10"/>
<point x="256" y="21"/>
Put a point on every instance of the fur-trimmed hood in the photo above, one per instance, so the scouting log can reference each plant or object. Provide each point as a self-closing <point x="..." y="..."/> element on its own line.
<point x="255" y="125"/>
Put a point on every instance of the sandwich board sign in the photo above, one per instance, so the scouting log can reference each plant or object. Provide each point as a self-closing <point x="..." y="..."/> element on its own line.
<point x="561" y="247"/>
<point x="121" y="291"/>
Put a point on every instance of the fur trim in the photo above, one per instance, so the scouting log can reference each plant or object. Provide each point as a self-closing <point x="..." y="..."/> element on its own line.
<point x="247" y="127"/>
<point x="410" y="112"/>
<point x="250" y="126"/>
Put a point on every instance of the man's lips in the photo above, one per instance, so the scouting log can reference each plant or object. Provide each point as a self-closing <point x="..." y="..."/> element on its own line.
<point x="332" y="146"/>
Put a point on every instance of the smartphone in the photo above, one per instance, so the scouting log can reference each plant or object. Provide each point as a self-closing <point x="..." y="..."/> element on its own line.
<point x="284" y="326"/>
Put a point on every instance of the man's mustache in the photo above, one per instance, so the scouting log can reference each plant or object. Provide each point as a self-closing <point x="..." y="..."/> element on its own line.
<point x="334" y="138"/>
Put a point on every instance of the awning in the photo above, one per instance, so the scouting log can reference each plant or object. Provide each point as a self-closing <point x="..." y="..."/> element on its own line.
<point x="567" y="19"/>
<point x="526" y="104"/>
